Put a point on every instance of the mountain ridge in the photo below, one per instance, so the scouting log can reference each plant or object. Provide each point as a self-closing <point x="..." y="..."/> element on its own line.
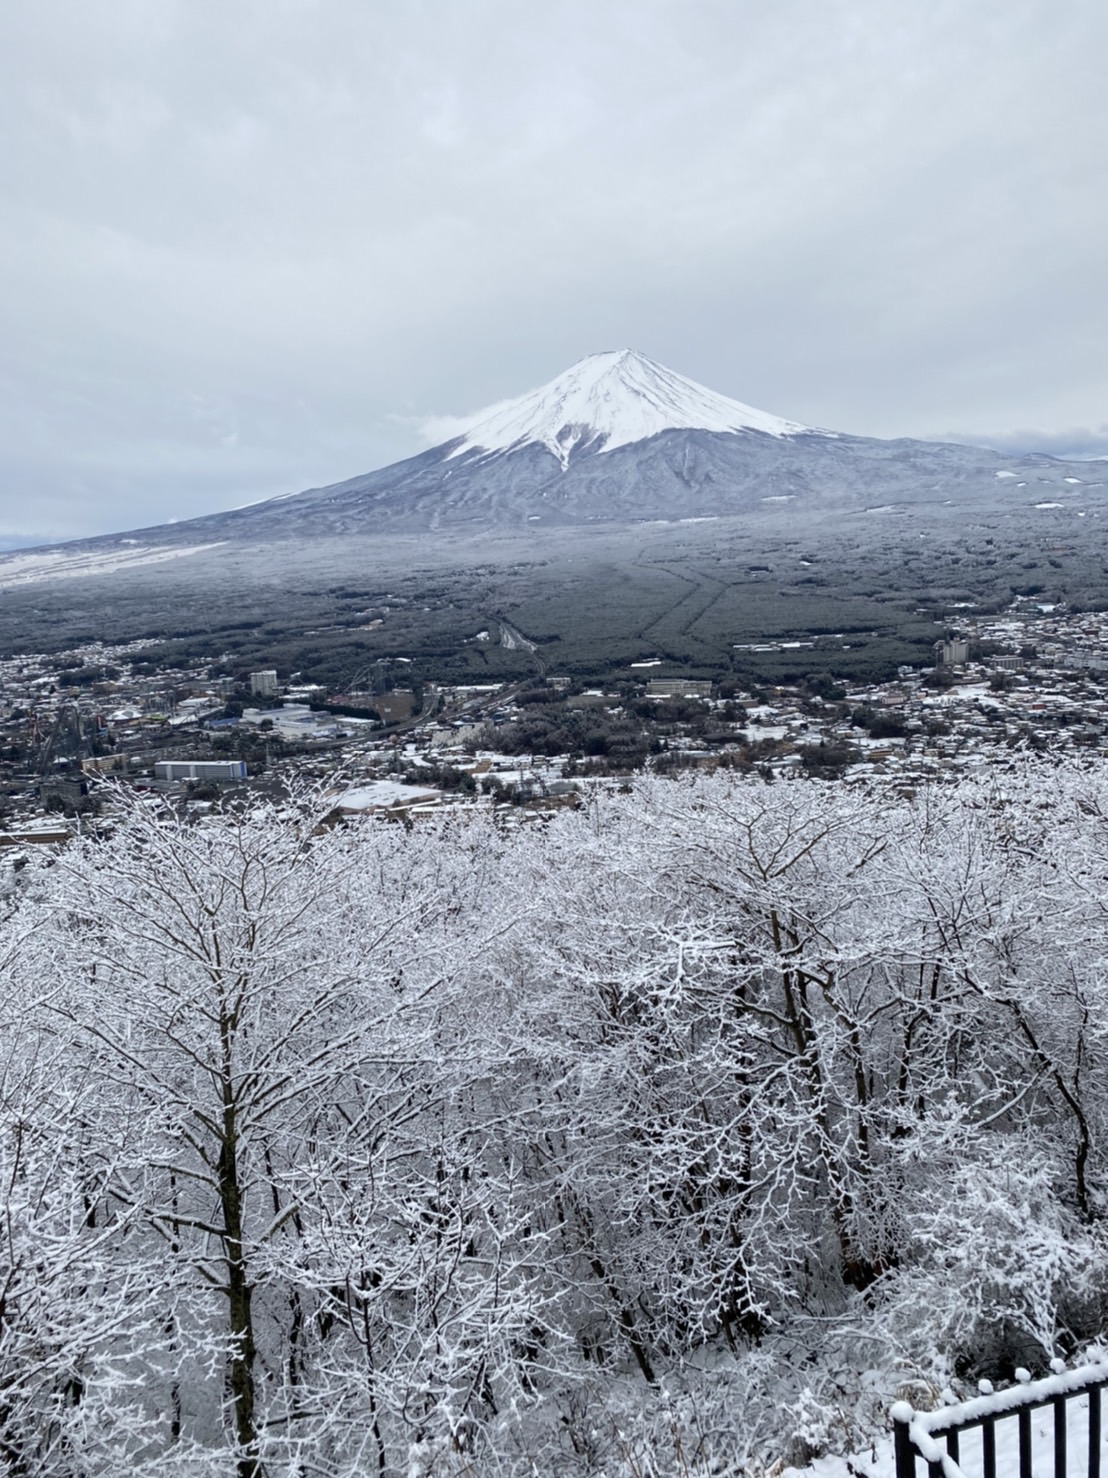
<point x="522" y="465"/>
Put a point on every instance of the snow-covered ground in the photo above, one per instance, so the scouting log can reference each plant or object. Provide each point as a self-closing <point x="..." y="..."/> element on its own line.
<point x="66" y="564"/>
<point x="384" y="793"/>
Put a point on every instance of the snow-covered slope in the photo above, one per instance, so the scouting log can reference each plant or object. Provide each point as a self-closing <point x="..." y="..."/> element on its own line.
<point x="602" y="402"/>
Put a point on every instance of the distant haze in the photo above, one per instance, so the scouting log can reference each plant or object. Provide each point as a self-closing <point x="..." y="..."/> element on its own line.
<point x="247" y="248"/>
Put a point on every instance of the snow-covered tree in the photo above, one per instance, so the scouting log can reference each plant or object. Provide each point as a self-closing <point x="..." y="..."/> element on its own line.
<point x="456" y="1149"/>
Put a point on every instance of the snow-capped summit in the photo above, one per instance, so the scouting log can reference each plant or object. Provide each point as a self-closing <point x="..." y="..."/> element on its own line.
<point x="602" y="402"/>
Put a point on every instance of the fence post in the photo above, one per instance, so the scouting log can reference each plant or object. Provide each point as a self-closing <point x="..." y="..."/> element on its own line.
<point x="902" y="1414"/>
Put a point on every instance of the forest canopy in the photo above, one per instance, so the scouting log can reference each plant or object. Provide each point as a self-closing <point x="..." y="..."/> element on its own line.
<point x="683" y="1130"/>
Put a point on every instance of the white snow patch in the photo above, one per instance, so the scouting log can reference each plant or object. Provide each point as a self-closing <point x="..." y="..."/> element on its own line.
<point x="1050" y="505"/>
<point x="1073" y="479"/>
<point x="381" y="794"/>
<point x="1007" y="474"/>
<point x="57" y="564"/>
<point x="602" y="402"/>
<point x="764" y="731"/>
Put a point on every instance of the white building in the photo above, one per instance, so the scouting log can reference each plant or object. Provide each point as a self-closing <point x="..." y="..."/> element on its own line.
<point x="951" y="653"/>
<point x="678" y="687"/>
<point x="221" y="771"/>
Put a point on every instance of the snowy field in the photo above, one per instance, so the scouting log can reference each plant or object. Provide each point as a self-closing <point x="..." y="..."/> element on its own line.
<point x="68" y="564"/>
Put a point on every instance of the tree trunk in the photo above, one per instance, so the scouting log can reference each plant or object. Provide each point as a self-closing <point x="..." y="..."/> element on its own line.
<point x="238" y="1288"/>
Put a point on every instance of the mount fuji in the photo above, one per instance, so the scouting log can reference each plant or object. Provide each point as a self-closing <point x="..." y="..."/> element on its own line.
<point x="615" y="441"/>
<point x="619" y="439"/>
<point x="617" y="513"/>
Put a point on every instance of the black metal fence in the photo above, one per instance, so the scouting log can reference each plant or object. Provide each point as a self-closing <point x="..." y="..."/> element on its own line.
<point x="935" y="1436"/>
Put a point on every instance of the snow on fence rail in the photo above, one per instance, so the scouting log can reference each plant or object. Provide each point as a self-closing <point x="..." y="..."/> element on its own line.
<point x="1017" y="1446"/>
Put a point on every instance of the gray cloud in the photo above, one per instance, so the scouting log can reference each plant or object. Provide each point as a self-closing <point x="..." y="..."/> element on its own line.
<point x="1080" y="442"/>
<point x="245" y="247"/>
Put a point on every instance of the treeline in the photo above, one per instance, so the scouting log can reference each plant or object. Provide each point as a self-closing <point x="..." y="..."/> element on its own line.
<point x="623" y="1143"/>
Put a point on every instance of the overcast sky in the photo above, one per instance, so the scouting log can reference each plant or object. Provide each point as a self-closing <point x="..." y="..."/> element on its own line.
<point x="246" y="246"/>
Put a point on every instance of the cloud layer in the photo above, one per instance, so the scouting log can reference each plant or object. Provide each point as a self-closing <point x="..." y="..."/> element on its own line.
<point x="246" y="246"/>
